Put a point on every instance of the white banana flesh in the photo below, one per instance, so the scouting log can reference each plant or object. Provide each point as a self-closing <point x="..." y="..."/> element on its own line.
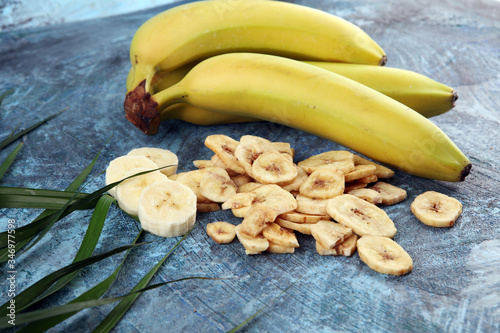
<point x="163" y="158"/>
<point x="118" y="167"/>
<point x="167" y="209"/>
<point x="129" y="191"/>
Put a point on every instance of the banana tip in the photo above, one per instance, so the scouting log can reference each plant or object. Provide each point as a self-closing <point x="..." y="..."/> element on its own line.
<point x="465" y="172"/>
<point x="383" y="60"/>
<point x="141" y="109"/>
<point x="454" y="98"/>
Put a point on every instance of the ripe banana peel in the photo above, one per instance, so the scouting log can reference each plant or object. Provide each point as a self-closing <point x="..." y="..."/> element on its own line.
<point x="198" y="30"/>
<point x="320" y="102"/>
<point x="419" y="92"/>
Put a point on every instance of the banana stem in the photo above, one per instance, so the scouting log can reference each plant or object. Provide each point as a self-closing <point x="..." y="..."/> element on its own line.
<point x="142" y="110"/>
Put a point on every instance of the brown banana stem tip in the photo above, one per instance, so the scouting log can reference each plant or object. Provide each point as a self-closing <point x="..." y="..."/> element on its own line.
<point x="465" y="172"/>
<point x="141" y="109"/>
<point x="454" y="98"/>
<point x="383" y="60"/>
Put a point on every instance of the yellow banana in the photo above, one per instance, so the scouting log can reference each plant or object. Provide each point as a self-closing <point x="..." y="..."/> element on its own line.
<point x="198" y="30"/>
<point x="320" y="102"/>
<point x="419" y="92"/>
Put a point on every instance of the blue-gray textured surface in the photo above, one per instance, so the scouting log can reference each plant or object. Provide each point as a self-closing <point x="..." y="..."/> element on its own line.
<point x="455" y="284"/>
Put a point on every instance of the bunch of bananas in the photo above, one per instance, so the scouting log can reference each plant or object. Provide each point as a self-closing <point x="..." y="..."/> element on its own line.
<point x="224" y="61"/>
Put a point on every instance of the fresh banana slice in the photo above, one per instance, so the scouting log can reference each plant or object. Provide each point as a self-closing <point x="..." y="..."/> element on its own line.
<point x="330" y="233"/>
<point x="221" y="232"/>
<point x="224" y="147"/>
<point x="207" y="207"/>
<point x="161" y="157"/>
<point x="252" y="245"/>
<point x="129" y="191"/>
<point x="303" y="228"/>
<point x="257" y="218"/>
<point x="346" y="248"/>
<point x="390" y="194"/>
<point x="384" y="255"/>
<point x="303" y="218"/>
<point x="312" y="206"/>
<point x="339" y="159"/>
<point x="217" y="186"/>
<point x="381" y="171"/>
<point x="248" y="187"/>
<point x="436" y="209"/>
<point x="360" y="171"/>
<point x="367" y="194"/>
<point x="118" y="167"/>
<point x="272" y="167"/>
<point x="294" y="186"/>
<point x="274" y="233"/>
<point x="324" y="183"/>
<point x="275" y="248"/>
<point x="361" y="216"/>
<point x="167" y="208"/>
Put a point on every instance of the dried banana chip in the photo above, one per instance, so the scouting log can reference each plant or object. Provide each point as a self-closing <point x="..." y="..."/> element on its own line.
<point x="207" y="207"/>
<point x="257" y="218"/>
<point x="252" y="245"/>
<point x="241" y="179"/>
<point x="390" y="194"/>
<point x="323" y="183"/>
<point x="249" y="149"/>
<point x="224" y="147"/>
<point x="309" y="205"/>
<point x="217" y="186"/>
<point x="361" y="216"/>
<point x="346" y="248"/>
<point x="330" y="233"/>
<point x="272" y="167"/>
<point x="339" y="159"/>
<point x="368" y="179"/>
<point x="436" y="209"/>
<point x="192" y="180"/>
<point x="303" y="218"/>
<point x="275" y="248"/>
<point x="360" y="171"/>
<point x="221" y="232"/>
<point x="294" y="185"/>
<point x="303" y="228"/>
<point x="381" y="171"/>
<point x="367" y="194"/>
<point x="384" y="255"/>
<point x="276" y="234"/>
<point x="354" y="185"/>
<point x="248" y="187"/>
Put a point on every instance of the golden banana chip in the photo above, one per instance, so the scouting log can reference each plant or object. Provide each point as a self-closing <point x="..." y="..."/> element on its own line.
<point x="436" y="209"/>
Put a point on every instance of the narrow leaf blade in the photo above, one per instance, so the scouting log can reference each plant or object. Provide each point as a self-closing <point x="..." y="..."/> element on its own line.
<point x="119" y="310"/>
<point x="29" y="294"/>
<point x="16" y="136"/>
<point x="8" y="161"/>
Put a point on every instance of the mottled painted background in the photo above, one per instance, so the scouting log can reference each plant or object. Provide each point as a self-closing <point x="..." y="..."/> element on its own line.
<point x="455" y="285"/>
